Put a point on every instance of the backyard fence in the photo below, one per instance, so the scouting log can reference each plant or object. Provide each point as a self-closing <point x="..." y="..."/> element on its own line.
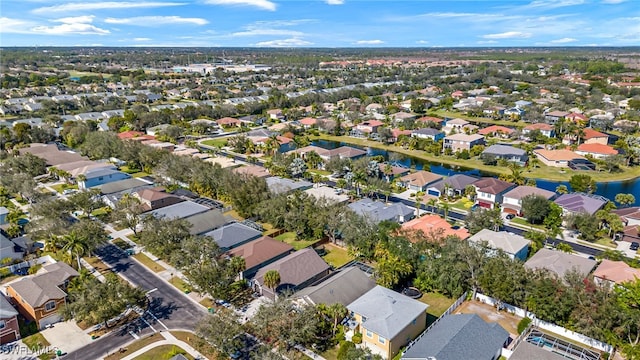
<point x="47" y="259"/>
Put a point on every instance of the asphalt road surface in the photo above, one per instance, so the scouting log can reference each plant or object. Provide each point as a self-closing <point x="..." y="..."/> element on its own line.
<point x="168" y="309"/>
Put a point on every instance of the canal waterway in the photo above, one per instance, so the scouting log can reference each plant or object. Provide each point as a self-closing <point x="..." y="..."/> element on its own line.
<point x="606" y="189"/>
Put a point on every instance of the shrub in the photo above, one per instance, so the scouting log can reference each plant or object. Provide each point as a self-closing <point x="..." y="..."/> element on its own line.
<point x="345" y="346"/>
<point x="523" y="324"/>
<point x="357" y="338"/>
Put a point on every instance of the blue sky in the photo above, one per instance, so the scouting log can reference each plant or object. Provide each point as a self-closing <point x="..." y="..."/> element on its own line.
<point x="320" y="23"/>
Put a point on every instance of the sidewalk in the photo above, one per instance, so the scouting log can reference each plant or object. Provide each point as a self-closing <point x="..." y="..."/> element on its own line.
<point x="169" y="339"/>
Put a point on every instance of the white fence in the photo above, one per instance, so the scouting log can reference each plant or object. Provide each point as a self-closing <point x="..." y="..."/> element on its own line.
<point x="559" y="330"/>
<point x="47" y="259"/>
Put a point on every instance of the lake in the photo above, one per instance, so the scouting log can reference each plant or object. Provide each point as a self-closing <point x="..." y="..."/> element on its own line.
<point x="606" y="189"/>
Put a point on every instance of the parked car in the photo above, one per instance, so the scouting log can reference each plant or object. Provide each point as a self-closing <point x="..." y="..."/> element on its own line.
<point x="634" y="246"/>
<point x="510" y="216"/>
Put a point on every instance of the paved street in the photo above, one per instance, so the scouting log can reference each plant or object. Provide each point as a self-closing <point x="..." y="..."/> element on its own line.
<point x="169" y="308"/>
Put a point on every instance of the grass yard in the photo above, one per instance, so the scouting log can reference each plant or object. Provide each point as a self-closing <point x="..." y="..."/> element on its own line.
<point x="100" y="267"/>
<point x="290" y="238"/>
<point x="197" y="343"/>
<point x="462" y="204"/>
<point x="163" y="352"/>
<point x="180" y="284"/>
<point x="62" y="187"/>
<point x="133" y="347"/>
<point x="331" y="354"/>
<point x="207" y="302"/>
<point x="522" y="222"/>
<point x="234" y="214"/>
<point x="336" y="256"/>
<point x="437" y="302"/>
<point x="146" y="261"/>
<point x="139" y="174"/>
<point x="129" y="170"/>
<point x="35" y="342"/>
<point x="219" y="142"/>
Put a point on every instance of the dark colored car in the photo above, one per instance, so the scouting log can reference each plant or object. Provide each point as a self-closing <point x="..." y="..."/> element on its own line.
<point x="510" y="216"/>
<point x="634" y="246"/>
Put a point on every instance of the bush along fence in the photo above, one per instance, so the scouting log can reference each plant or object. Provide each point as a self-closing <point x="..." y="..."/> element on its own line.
<point x="559" y="330"/>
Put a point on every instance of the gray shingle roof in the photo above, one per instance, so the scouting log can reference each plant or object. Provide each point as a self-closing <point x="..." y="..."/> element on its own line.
<point x="377" y="211"/>
<point x="206" y="221"/>
<point x="508" y="242"/>
<point x="559" y="262"/>
<point x="502" y="150"/>
<point x="123" y="185"/>
<point x="344" y="287"/>
<point x="458" y="182"/>
<point x="296" y="268"/>
<point x="387" y="312"/>
<point x="179" y="210"/>
<point x="279" y="185"/>
<point x="6" y="309"/>
<point x="37" y="290"/>
<point x="233" y="235"/>
<point x="456" y="337"/>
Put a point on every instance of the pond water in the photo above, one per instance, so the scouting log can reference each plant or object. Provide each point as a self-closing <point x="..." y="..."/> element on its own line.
<point x="606" y="189"/>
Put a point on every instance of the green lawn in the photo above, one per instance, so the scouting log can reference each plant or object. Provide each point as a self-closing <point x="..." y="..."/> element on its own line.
<point x="133" y="347"/>
<point x="438" y="303"/>
<point x="146" y="261"/>
<point x="62" y="187"/>
<point x="140" y="174"/>
<point x="163" y="352"/>
<point x="197" y="343"/>
<point x="97" y="264"/>
<point x="331" y="353"/>
<point x="129" y="170"/>
<point x="462" y="204"/>
<point x="35" y="342"/>
<point x="525" y="223"/>
<point x="336" y="256"/>
<point x="180" y="284"/>
<point x="219" y="142"/>
<point x="290" y="238"/>
<point x="207" y="302"/>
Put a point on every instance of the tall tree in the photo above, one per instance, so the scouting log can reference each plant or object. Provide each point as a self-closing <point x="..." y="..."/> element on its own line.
<point x="222" y="330"/>
<point x="535" y="208"/>
<point x="272" y="279"/>
<point x="582" y="183"/>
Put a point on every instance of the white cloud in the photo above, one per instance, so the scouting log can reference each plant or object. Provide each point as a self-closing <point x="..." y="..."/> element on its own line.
<point x="105" y="5"/>
<point x="70" y="29"/>
<point x="268" y="32"/>
<point x="613" y="1"/>
<point x="334" y="2"/>
<point x="141" y="39"/>
<point x="563" y="40"/>
<point x="284" y="43"/>
<point x="508" y="35"/>
<point x="14" y="26"/>
<point x="156" y="20"/>
<point x="86" y="19"/>
<point x="369" y="42"/>
<point x="551" y="4"/>
<point x="422" y="42"/>
<point x="260" y="4"/>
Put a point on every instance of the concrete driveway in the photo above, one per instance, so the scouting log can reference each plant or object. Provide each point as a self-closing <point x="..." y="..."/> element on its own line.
<point x="66" y="336"/>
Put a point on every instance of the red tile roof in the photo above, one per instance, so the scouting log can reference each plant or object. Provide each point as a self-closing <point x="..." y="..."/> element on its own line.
<point x="592" y="134"/>
<point x="597" y="149"/>
<point x="539" y="126"/>
<point x="434" y="225"/>
<point x="494" y="129"/>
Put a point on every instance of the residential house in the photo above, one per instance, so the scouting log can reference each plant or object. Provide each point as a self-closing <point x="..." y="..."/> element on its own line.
<point x="451" y="186"/>
<point x="366" y="128"/>
<point x="396" y="133"/>
<point x="280" y="185"/>
<point x="284" y="143"/>
<point x="374" y="108"/>
<point x="434" y="227"/>
<point x="233" y="235"/>
<point x="560" y="262"/>
<point x="457" y="337"/>
<point x="157" y="130"/>
<point x="297" y="271"/>
<point x="631" y="233"/>
<point x="595" y="137"/>
<point x="419" y="180"/>
<point x="630" y="215"/>
<point x="576" y="117"/>
<point x="596" y="150"/>
<point x="431" y="121"/>
<point x="545" y="129"/>
<point x="229" y="122"/>
<point x="428" y="133"/>
<point x="401" y="116"/>
<point x="514" y="112"/>
<point x="494" y="111"/>
<point x="40" y="297"/>
<point x="342" y="152"/>
<point x="308" y="122"/>
<point x="180" y="210"/>
<point x="554" y="116"/>
<point x="252" y="170"/>
<point x="613" y="273"/>
<point x="506" y="152"/>
<point x="522" y="103"/>
<point x="9" y="250"/>
<point x="513" y="245"/>
<point x="9" y="328"/>
<point x="342" y="287"/>
<point x="377" y="211"/>
<point x="387" y="320"/>
<point x="330" y="194"/>
<point x="260" y="253"/>
<point x="3" y="215"/>
<point x="460" y="142"/>
<point x="455" y="126"/>
<point x="577" y="203"/>
<point x="100" y="176"/>
<point x="395" y="171"/>
<point x="556" y="158"/>
<point x="275" y="114"/>
<point x="152" y="199"/>
<point x="490" y="191"/>
<point x="206" y="221"/>
<point x="512" y="199"/>
<point x="496" y="131"/>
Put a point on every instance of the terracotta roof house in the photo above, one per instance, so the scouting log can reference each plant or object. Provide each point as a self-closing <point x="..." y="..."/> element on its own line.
<point x="559" y="262"/>
<point x="460" y="336"/>
<point x="496" y="130"/>
<point x="297" y="271"/>
<point x="515" y="246"/>
<point x="460" y="142"/>
<point x="545" y="129"/>
<point x="419" y="180"/>
<point x="490" y="191"/>
<point x="630" y="233"/>
<point x="576" y="117"/>
<point x="252" y="170"/>
<point x="10" y="330"/>
<point x="308" y="122"/>
<point x="434" y="227"/>
<point x="343" y="287"/>
<point x="556" y="158"/>
<point x="366" y="128"/>
<point x="39" y="298"/>
<point x="576" y="203"/>
<point x="595" y="137"/>
<point x="152" y="199"/>
<point x="597" y="150"/>
<point x="130" y="134"/>
<point x="506" y="152"/>
<point x="387" y="320"/>
<point x="455" y="185"/>
<point x="512" y="199"/>
<point x="228" y="122"/>
<point x="430" y="119"/>
<point x="629" y="216"/>
<point x="615" y="273"/>
<point x="260" y="253"/>
<point x="232" y="235"/>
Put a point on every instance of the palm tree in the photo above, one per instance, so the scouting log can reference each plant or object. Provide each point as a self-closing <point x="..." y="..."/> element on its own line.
<point x="432" y="204"/>
<point x="562" y="189"/>
<point x="337" y="312"/>
<point x="387" y="171"/>
<point x="359" y="178"/>
<point x="515" y="176"/>
<point x="76" y="245"/>
<point x="313" y="159"/>
<point x="445" y="209"/>
<point x="272" y="280"/>
<point x="418" y="204"/>
<point x="271" y="145"/>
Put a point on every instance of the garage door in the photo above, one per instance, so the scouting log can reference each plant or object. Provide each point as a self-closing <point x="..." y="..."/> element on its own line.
<point x="7" y="338"/>
<point x="50" y="320"/>
<point x="510" y="211"/>
<point x="433" y="193"/>
<point x="484" y="204"/>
